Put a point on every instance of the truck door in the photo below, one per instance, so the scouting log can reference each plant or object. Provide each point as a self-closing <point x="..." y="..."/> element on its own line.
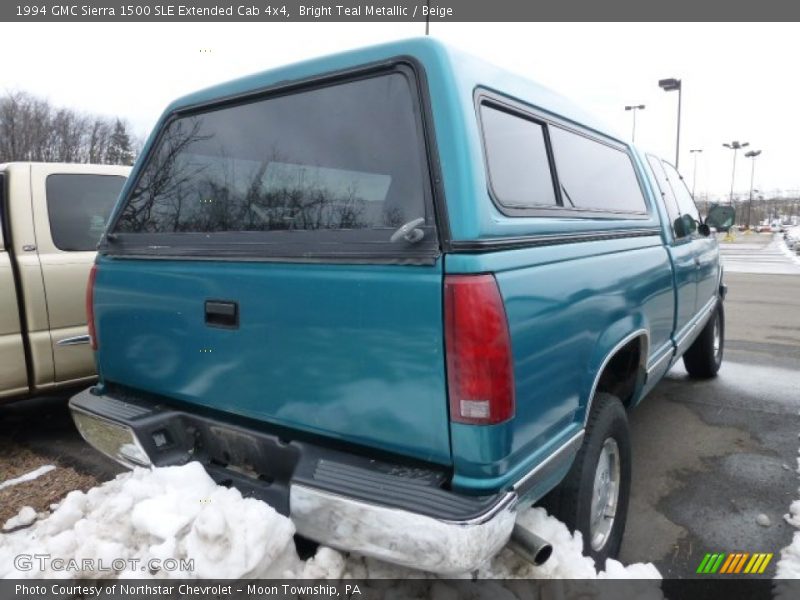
<point x="682" y="251"/>
<point x="71" y="205"/>
<point x="13" y="376"/>
<point x="705" y="250"/>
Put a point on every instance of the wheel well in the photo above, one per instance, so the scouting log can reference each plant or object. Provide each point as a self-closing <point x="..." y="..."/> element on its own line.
<point x="623" y="375"/>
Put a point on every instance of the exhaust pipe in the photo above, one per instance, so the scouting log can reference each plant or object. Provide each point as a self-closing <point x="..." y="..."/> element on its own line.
<point x="529" y="546"/>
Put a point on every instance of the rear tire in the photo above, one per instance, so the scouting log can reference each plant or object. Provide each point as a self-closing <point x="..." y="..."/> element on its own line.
<point x="704" y="357"/>
<point x="594" y="496"/>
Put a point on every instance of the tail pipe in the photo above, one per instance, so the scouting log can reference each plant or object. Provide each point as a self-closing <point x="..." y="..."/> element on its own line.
<point x="529" y="546"/>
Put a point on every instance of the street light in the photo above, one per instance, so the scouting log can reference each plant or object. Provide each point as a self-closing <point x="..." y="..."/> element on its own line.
<point x="751" y="155"/>
<point x="633" y="108"/>
<point x="735" y="146"/>
<point x="695" y="151"/>
<point x="428" y="17"/>
<point x="671" y="85"/>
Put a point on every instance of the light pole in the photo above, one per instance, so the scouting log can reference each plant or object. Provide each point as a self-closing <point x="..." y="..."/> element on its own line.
<point x="671" y="85"/>
<point x="752" y="156"/>
<point x="735" y="146"/>
<point x="695" y="151"/>
<point x="633" y="108"/>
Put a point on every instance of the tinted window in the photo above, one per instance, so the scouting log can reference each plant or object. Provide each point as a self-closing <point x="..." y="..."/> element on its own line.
<point x="343" y="163"/>
<point x="595" y="175"/>
<point x="686" y="204"/>
<point x="664" y="187"/>
<point x="79" y="206"/>
<point x="517" y="159"/>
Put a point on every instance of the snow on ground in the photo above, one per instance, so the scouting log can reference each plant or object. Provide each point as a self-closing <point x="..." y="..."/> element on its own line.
<point x="789" y="252"/>
<point x="788" y="566"/>
<point x="180" y="513"/>
<point x="23" y="518"/>
<point x="27" y="476"/>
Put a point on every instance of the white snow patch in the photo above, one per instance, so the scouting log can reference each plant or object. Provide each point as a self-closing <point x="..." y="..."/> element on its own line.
<point x="25" y="516"/>
<point x="27" y="476"/>
<point x="788" y="566"/>
<point x="180" y="513"/>
<point x="173" y="512"/>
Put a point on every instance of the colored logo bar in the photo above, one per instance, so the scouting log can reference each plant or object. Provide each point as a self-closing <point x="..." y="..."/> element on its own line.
<point x="734" y="563"/>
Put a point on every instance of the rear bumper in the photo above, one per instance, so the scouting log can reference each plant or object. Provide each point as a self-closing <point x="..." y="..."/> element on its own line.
<point x="396" y="512"/>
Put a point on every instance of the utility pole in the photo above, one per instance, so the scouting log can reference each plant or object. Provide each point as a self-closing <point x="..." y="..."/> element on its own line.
<point x="735" y="146"/>
<point x="633" y="108"/>
<point x="752" y="156"/>
<point x="695" y="151"/>
<point x="671" y="85"/>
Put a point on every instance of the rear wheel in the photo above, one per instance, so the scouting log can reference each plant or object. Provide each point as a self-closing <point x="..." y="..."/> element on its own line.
<point x="593" y="498"/>
<point x="704" y="357"/>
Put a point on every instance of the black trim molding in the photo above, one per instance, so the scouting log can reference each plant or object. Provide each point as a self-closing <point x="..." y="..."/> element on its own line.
<point x="513" y="243"/>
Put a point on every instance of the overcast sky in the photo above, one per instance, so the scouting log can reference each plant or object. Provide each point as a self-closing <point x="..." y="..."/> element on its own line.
<point x="740" y="80"/>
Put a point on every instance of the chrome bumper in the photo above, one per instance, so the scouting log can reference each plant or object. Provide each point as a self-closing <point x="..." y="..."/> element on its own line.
<point x="399" y="536"/>
<point x="370" y="510"/>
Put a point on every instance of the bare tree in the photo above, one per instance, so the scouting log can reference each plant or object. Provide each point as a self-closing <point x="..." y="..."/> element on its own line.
<point x="32" y="129"/>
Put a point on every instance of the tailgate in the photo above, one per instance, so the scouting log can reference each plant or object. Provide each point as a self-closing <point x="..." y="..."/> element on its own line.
<point x="352" y="352"/>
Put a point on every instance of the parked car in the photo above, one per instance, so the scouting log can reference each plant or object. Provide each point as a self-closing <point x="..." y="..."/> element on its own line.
<point x="792" y="236"/>
<point x="398" y="293"/>
<point x="51" y="218"/>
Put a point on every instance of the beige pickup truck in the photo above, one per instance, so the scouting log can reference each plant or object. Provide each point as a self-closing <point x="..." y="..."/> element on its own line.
<point x="51" y="218"/>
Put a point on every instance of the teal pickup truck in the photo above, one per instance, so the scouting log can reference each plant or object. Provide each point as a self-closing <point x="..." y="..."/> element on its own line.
<point x="397" y="293"/>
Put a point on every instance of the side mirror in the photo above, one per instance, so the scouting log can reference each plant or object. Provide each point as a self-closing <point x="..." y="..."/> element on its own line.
<point x="684" y="225"/>
<point x="722" y="217"/>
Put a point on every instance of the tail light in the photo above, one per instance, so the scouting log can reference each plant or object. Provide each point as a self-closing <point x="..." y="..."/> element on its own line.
<point x="90" y="307"/>
<point x="480" y="373"/>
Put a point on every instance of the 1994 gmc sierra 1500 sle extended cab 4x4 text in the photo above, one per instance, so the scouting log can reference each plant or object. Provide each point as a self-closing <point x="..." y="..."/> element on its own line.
<point x="397" y="293"/>
<point x="51" y="217"/>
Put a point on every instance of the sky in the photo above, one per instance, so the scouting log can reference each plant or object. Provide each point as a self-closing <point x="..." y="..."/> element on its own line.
<point x="739" y="80"/>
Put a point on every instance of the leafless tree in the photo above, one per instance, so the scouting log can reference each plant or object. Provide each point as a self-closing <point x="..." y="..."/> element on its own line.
<point x="32" y="129"/>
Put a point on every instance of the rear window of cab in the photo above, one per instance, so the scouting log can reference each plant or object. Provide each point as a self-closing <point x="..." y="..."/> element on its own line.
<point x="325" y="170"/>
<point x="539" y="167"/>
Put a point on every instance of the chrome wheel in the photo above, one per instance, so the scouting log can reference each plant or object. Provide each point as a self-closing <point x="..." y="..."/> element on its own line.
<point x="717" y="337"/>
<point x="605" y="494"/>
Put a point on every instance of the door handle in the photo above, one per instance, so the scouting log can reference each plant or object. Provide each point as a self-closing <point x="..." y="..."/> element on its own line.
<point x="74" y="341"/>
<point x="697" y="261"/>
<point x="222" y="313"/>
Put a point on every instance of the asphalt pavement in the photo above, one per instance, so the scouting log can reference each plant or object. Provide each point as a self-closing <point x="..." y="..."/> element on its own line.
<point x="711" y="456"/>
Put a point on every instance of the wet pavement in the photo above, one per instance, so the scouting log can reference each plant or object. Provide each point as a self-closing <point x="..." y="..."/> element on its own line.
<point x="709" y="457"/>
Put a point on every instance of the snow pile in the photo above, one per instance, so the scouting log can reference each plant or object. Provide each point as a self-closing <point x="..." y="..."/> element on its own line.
<point x="36" y="473"/>
<point x="23" y="518"/>
<point x="174" y="512"/>
<point x="788" y="566"/>
<point x="180" y="513"/>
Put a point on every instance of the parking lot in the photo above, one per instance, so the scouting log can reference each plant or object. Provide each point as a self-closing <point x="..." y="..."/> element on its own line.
<point x="711" y="458"/>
